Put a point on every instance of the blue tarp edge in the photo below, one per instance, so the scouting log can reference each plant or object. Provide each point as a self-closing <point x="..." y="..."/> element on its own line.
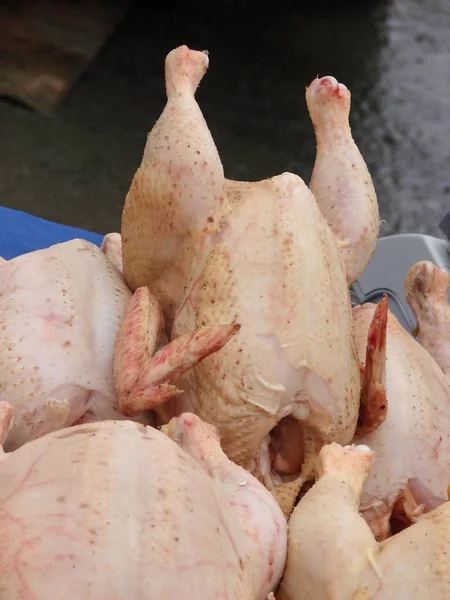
<point x="21" y="232"/>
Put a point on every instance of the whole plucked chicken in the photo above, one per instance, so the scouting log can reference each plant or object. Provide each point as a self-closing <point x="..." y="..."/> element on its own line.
<point x="261" y="254"/>
<point x="95" y="504"/>
<point x="61" y="311"/>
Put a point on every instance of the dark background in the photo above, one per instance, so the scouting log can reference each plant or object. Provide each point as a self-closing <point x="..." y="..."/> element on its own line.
<point x="75" y="167"/>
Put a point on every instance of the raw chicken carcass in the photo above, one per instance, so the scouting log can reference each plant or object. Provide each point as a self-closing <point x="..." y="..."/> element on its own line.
<point x="265" y="258"/>
<point x="120" y="510"/>
<point x="341" y="182"/>
<point x="412" y="446"/>
<point x="426" y="291"/>
<point x="333" y="555"/>
<point x="61" y="310"/>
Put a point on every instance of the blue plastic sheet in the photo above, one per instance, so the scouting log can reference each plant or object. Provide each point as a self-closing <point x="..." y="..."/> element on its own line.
<point x="21" y="233"/>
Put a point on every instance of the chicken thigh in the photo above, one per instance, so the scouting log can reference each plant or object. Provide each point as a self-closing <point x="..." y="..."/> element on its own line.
<point x="119" y="510"/>
<point x="61" y="310"/>
<point x="412" y="446"/>
<point x="332" y="554"/>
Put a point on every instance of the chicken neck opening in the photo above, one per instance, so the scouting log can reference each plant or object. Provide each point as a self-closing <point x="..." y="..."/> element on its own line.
<point x="281" y="455"/>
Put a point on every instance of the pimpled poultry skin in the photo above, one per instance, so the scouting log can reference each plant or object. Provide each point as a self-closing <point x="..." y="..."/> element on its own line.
<point x="92" y="504"/>
<point x="412" y="446"/>
<point x="260" y="254"/>
<point x="60" y="312"/>
<point x="333" y="555"/>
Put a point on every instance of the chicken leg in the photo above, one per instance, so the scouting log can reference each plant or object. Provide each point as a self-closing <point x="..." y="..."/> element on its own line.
<point x="426" y="290"/>
<point x="176" y="200"/>
<point x="340" y="180"/>
<point x="332" y="554"/>
<point x="329" y="543"/>
<point x="121" y="511"/>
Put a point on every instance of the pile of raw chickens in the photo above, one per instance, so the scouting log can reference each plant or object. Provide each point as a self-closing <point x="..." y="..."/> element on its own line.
<point x="195" y="411"/>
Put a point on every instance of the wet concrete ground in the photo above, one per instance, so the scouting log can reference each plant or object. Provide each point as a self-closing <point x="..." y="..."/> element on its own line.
<point x="394" y="55"/>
